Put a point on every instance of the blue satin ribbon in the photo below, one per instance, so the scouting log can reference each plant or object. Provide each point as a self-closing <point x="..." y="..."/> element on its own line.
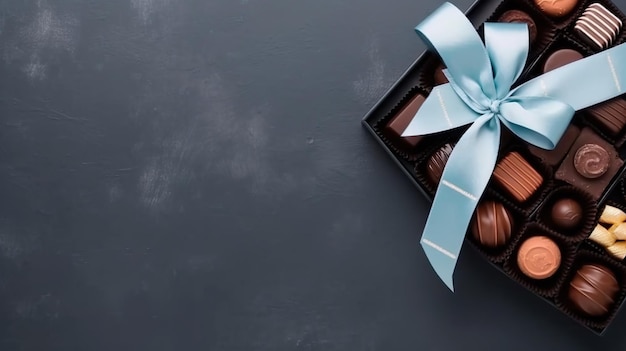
<point x="479" y="93"/>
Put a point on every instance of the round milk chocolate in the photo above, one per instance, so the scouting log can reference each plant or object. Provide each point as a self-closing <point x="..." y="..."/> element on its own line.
<point x="492" y="224"/>
<point x="567" y="213"/>
<point x="561" y="58"/>
<point x="592" y="161"/>
<point x="556" y="8"/>
<point x="517" y="16"/>
<point x="539" y="257"/>
<point x="593" y="290"/>
<point x="437" y="162"/>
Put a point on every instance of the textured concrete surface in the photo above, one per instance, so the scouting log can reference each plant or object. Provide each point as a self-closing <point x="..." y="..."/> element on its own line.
<point x="192" y="175"/>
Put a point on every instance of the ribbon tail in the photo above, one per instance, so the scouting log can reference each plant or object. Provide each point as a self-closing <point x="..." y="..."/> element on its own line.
<point x="582" y="83"/>
<point x="458" y="194"/>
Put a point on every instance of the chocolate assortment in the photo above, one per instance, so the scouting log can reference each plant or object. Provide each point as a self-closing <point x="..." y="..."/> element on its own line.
<point x="550" y="219"/>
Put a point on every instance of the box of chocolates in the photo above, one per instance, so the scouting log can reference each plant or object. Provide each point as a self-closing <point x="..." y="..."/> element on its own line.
<point x="552" y="220"/>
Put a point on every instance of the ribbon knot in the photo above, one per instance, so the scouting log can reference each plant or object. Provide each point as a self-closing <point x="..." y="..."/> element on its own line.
<point x="479" y="93"/>
<point x="495" y="107"/>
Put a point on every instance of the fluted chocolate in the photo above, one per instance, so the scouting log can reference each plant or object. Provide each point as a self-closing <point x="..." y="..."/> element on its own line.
<point x="492" y="224"/>
<point x="437" y="162"/>
<point x="593" y="290"/>
<point x="610" y="116"/>
<point x="517" y="177"/>
<point x="567" y="213"/>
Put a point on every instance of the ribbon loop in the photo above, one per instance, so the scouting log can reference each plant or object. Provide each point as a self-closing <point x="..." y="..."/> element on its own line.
<point x="472" y="70"/>
<point x="507" y="45"/>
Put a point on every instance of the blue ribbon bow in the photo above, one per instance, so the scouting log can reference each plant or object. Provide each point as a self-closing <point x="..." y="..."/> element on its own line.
<point x="479" y="93"/>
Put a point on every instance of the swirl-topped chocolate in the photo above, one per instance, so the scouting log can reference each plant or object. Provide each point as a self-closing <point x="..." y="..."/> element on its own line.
<point x="591" y="161"/>
<point x="590" y="164"/>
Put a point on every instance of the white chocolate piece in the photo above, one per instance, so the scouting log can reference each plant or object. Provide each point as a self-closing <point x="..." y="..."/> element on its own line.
<point x="618" y="250"/>
<point x="612" y="215"/>
<point x="602" y="236"/>
<point x="619" y="230"/>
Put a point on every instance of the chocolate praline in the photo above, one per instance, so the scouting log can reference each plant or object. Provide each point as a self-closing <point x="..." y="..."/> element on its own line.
<point x="567" y="213"/>
<point x="517" y="177"/>
<point x="556" y="8"/>
<point x="593" y="290"/>
<point x="492" y="224"/>
<point x="437" y="162"/>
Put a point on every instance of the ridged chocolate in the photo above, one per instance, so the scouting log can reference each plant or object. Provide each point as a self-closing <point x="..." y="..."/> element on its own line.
<point x="598" y="26"/>
<point x="593" y="290"/>
<point x="399" y="122"/>
<point x="610" y="116"/>
<point x="517" y="177"/>
<point x="492" y="224"/>
<point x="437" y="162"/>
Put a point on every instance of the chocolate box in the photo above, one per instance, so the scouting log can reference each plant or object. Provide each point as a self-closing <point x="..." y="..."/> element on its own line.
<point x="570" y="197"/>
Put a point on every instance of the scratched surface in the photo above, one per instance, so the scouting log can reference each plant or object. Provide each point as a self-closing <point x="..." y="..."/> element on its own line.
<point x="192" y="175"/>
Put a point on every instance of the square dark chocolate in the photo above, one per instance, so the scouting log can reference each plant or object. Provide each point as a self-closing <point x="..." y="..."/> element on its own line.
<point x="399" y="122"/>
<point x="591" y="164"/>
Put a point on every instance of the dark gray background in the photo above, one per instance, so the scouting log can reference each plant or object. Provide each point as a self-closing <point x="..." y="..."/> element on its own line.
<point x="192" y="175"/>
